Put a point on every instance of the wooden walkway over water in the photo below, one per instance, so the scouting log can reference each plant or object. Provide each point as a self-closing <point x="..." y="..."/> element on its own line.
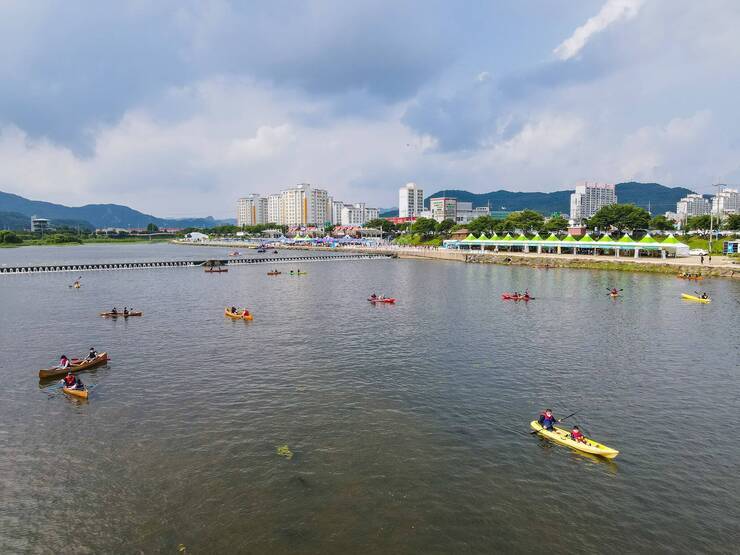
<point x="45" y="268"/>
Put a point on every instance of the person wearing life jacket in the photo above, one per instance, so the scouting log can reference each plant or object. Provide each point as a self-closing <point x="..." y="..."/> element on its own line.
<point x="704" y="295"/>
<point x="547" y="419"/>
<point x="63" y="363"/>
<point x="245" y="313"/>
<point x="614" y="291"/>
<point x="576" y="435"/>
<point x="69" y="381"/>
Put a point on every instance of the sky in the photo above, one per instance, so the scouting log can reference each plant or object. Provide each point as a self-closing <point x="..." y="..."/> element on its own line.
<point x="179" y="107"/>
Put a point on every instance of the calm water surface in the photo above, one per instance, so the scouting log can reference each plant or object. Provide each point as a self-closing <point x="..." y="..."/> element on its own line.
<point x="408" y="423"/>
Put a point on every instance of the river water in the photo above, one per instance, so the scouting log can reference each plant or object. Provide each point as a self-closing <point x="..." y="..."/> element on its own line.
<point x="408" y="424"/>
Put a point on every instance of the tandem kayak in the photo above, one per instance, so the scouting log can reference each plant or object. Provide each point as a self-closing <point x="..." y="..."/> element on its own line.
<point x="82" y="393"/>
<point x="121" y="314"/>
<point x="234" y="316"/>
<point x="687" y="297"/>
<point x="562" y="436"/>
<point x="76" y="366"/>
<point x="274" y="273"/>
<point x="387" y="301"/>
<point x="510" y="297"/>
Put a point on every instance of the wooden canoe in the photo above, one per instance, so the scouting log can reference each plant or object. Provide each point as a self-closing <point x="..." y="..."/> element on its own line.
<point x="82" y="393"/>
<point x="121" y="314"/>
<point x="102" y="358"/>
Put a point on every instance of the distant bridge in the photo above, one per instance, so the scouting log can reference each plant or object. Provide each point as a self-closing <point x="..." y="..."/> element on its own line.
<point x="45" y="268"/>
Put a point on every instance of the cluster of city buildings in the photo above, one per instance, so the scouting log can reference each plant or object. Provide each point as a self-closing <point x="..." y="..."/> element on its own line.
<point x="411" y="206"/>
<point x="724" y="203"/>
<point x="302" y="205"/>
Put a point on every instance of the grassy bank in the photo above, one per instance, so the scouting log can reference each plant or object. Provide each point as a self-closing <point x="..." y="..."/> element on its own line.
<point x="84" y="241"/>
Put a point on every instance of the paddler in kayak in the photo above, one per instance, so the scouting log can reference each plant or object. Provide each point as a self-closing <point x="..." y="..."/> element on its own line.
<point x="92" y="354"/>
<point x="70" y="382"/>
<point x="547" y="419"/>
<point x="576" y="435"/>
<point x="114" y="310"/>
<point x="63" y="363"/>
<point x="614" y="292"/>
<point x="233" y="310"/>
<point x="245" y="313"/>
<point x="704" y="295"/>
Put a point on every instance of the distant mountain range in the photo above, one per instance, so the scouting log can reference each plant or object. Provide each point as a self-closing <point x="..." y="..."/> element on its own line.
<point x="16" y="212"/>
<point x="658" y="198"/>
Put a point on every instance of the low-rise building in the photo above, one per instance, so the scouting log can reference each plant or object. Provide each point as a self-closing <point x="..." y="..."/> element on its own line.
<point x="443" y="208"/>
<point x="40" y="224"/>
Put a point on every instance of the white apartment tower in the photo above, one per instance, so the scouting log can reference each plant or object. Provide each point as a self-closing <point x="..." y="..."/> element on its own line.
<point x="410" y="201"/>
<point x="588" y="198"/>
<point x="251" y="210"/>
<point x="303" y="205"/>
<point x="692" y="205"/>
<point x="726" y="202"/>
<point x="274" y="209"/>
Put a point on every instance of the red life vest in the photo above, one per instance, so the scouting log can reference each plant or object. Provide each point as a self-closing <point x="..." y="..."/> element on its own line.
<point x="576" y="435"/>
<point x="69" y="381"/>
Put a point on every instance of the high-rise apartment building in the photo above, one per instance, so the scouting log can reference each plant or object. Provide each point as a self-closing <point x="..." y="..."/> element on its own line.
<point x="588" y="198"/>
<point x="410" y="201"/>
<point x="726" y="202"/>
<point x="303" y="205"/>
<point x="251" y="210"/>
<point x="274" y="209"/>
<point x="692" y="205"/>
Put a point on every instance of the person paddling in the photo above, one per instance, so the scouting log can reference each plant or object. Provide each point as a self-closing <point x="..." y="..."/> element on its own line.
<point x="233" y="310"/>
<point x="547" y="419"/>
<point x="114" y="310"/>
<point x="245" y="313"/>
<point x="69" y="381"/>
<point x="614" y="292"/>
<point x="63" y="363"/>
<point x="704" y="295"/>
<point x="92" y="354"/>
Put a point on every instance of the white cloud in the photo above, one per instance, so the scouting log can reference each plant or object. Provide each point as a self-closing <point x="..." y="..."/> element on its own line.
<point x="611" y="12"/>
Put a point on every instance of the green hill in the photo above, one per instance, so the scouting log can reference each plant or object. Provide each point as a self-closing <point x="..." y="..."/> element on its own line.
<point x="658" y="198"/>
<point x="96" y="215"/>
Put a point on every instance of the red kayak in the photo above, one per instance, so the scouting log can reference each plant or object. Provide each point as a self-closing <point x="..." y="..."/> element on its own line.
<point x="510" y="297"/>
<point x="388" y="301"/>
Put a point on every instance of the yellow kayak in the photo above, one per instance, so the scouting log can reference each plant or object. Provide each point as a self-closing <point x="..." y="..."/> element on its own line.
<point x="76" y="392"/>
<point x="237" y="316"/>
<point x="687" y="297"/>
<point x="562" y="436"/>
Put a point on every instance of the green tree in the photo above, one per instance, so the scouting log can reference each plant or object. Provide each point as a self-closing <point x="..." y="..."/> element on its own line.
<point x="526" y="220"/>
<point x="620" y="217"/>
<point x="445" y="226"/>
<point x="555" y="224"/>
<point x="484" y="224"/>
<point x="381" y="223"/>
<point x="9" y="238"/>
<point x="732" y="222"/>
<point x="152" y="228"/>
<point x="699" y="223"/>
<point x="661" y="223"/>
<point x="424" y="227"/>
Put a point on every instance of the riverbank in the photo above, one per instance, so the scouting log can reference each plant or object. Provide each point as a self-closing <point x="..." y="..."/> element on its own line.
<point x="721" y="266"/>
<point x="40" y="243"/>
